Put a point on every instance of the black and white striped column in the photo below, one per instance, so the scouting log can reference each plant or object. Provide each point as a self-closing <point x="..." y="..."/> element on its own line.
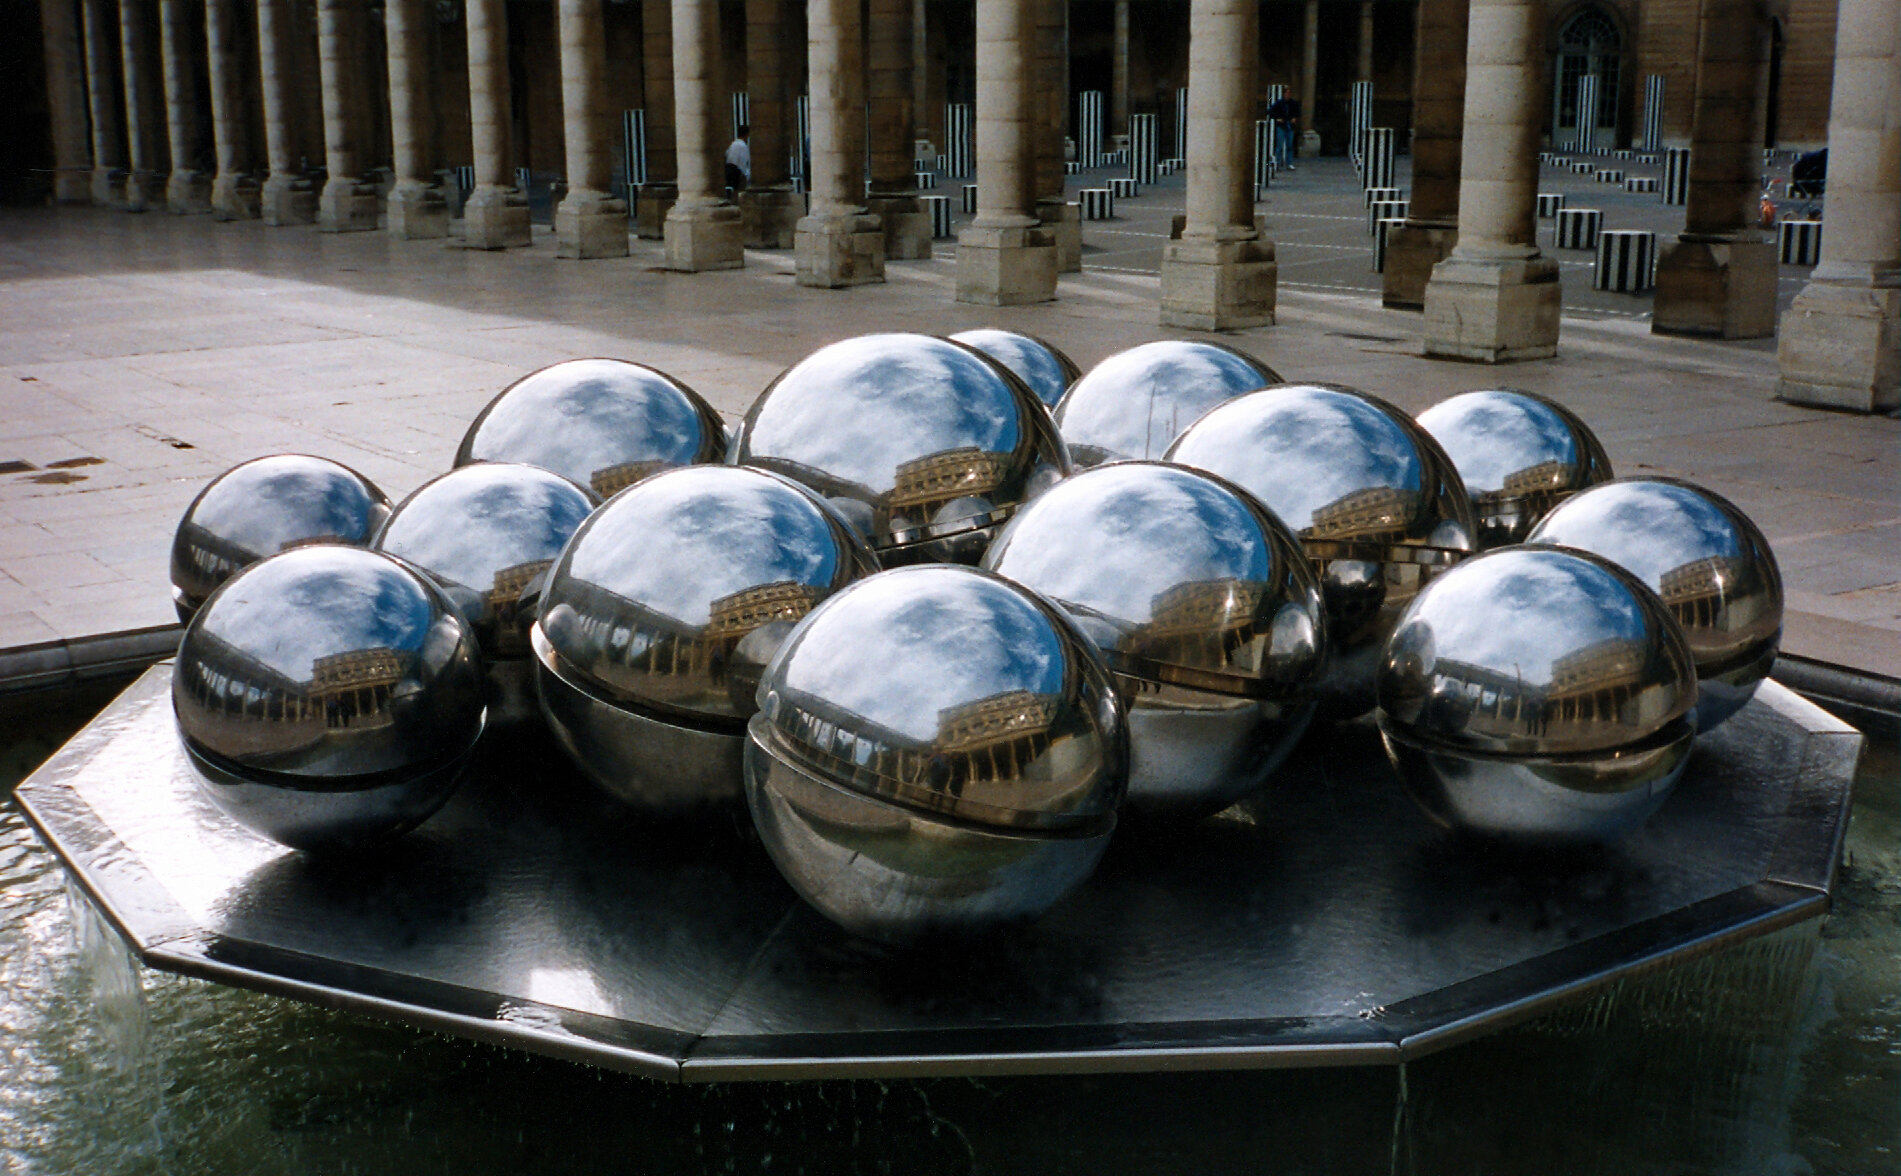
<point x="1359" y="119"/>
<point x="1610" y="175"/>
<point x="1640" y="183"/>
<point x="1381" y="231"/>
<point x="1123" y="187"/>
<point x="1577" y="227"/>
<point x="742" y="111"/>
<point x="1376" y="166"/>
<point x="1142" y="148"/>
<point x="940" y="210"/>
<point x="1381" y="210"/>
<point x="1089" y="129"/>
<point x="633" y="145"/>
<point x="1263" y="153"/>
<point x="1626" y="261"/>
<point x="1587" y="112"/>
<point x="1099" y="203"/>
<point x="1676" y="175"/>
<point x="1653" y="113"/>
<point x="1181" y="123"/>
<point x="1549" y="203"/>
<point x="802" y="114"/>
<point x="957" y="139"/>
<point x="1800" y="242"/>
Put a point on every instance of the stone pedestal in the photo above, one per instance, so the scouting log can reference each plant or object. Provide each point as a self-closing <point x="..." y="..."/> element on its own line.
<point x="771" y="217"/>
<point x="1493" y="310"/>
<point x="1720" y="287"/>
<point x="590" y="224"/>
<point x="417" y="212"/>
<point x="1065" y="220"/>
<point x="107" y="186"/>
<point x="1412" y="249"/>
<point x="655" y="201"/>
<point x="703" y="237"/>
<point x="907" y="227"/>
<point x="234" y="197"/>
<point x="1840" y="347"/>
<point x="840" y="250"/>
<point x="288" y="200"/>
<point x="141" y="192"/>
<point x="347" y="206"/>
<point x="1218" y="285"/>
<point x="188" y="192"/>
<point x="1011" y="265"/>
<point x="495" y="218"/>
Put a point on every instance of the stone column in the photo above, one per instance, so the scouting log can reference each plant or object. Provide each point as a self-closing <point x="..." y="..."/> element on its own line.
<point x="907" y="229"/>
<point x="1841" y="340"/>
<point x="1004" y="257"/>
<point x="495" y="216"/>
<point x="1219" y="274"/>
<point x="287" y="198"/>
<point x="188" y="190"/>
<point x="1061" y="217"/>
<point x="1432" y="221"/>
<point x="1119" y="80"/>
<point x="1309" y="71"/>
<point x="348" y="203"/>
<point x="102" y="102"/>
<point x="234" y="194"/>
<point x="142" y="190"/>
<point x="1363" y="71"/>
<point x="656" y="46"/>
<point x="920" y="81"/>
<point x="1718" y="278"/>
<point x="840" y="243"/>
<point x="590" y="221"/>
<point x="1496" y="298"/>
<point x="703" y="227"/>
<point x="769" y="209"/>
<point x="66" y="99"/>
<point x="417" y="210"/>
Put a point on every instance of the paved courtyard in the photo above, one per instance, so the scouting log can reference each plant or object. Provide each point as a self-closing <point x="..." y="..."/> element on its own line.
<point x="142" y="355"/>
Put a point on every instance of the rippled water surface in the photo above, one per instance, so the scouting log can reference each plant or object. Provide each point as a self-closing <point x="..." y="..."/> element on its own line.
<point x="1779" y="1056"/>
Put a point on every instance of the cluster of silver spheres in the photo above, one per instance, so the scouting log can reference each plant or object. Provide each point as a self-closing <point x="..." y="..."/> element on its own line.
<point x="938" y="610"/>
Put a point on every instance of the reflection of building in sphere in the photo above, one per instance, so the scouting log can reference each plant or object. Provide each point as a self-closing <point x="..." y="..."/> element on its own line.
<point x="1201" y="623"/>
<point x="1545" y="476"/>
<point x="345" y="691"/>
<point x="610" y="479"/>
<point x="212" y="557"/>
<point x="503" y="602"/>
<point x="926" y="483"/>
<point x="1377" y="512"/>
<point x="662" y="647"/>
<point x="1590" y="686"/>
<point x="741" y="612"/>
<point x="354" y="688"/>
<point x="994" y="738"/>
<point x="1695" y="591"/>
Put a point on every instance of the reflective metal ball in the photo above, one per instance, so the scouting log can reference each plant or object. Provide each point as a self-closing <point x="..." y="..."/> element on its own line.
<point x="660" y="616"/>
<point x="1204" y="606"/>
<point x="265" y="506"/>
<point x="1038" y="363"/>
<point x="600" y="423"/>
<point x="487" y="534"/>
<point x="1375" y="501"/>
<point x="1136" y="402"/>
<point x="936" y="750"/>
<point x="1518" y="454"/>
<point x="1539" y="695"/>
<point x="328" y="697"/>
<point x="924" y="444"/>
<point x="1708" y="562"/>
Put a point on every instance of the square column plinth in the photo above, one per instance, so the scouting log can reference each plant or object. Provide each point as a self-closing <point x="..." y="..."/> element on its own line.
<point x="346" y="206"/>
<point x="702" y="237"/>
<point x="234" y="197"/>
<point x="188" y="192"/>
<point x="651" y="206"/>
<point x="495" y="218"/>
<point x="771" y="217"/>
<point x="1840" y="347"/>
<point x="1493" y="310"/>
<point x="288" y="200"/>
<point x="417" y="212"/>
<point x="840" y="250"/>
<point x="1717" y="287"/>
<point x="1411" y="252"/>
<point x="1066" y="221"/>
<point x="590" y="224"/>
<point x="907" y="227"/>
<point x="1007" y="265"/>
<point x="1218" y="285"/>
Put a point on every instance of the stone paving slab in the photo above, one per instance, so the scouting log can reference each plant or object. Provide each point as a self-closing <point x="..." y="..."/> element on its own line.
<point x="142" y="355"/>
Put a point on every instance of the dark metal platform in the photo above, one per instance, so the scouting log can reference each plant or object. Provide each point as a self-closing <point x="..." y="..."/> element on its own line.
<point x="1322" y="923"/>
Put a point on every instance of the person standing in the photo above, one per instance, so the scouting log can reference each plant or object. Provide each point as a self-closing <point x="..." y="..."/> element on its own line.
<point x="1284" y="113"/>
<point x="739" y="161"/>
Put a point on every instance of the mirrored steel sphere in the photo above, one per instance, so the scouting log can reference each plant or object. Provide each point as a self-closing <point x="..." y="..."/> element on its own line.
<point x="1136" y="402"/>
<point x="1038" y="363"/>
<point x="265" y="506"/>
<point x="662" y="613"/>
<point x="1518" y="454"/>
<point x="1202" y="603"/>
<point x="600" y="423"/>
<point x="1540" y="695"/>
<point x="486" y="534"/>
<point x="936" y="749"/>
<point x="1707" y="560"/>
<point x="1375" y="501"/>
<point x="924" y="444"/>
<point x="328" y="697"/>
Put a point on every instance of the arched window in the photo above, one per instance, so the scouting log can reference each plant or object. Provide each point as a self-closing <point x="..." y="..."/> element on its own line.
<point x="1588" y="45"/>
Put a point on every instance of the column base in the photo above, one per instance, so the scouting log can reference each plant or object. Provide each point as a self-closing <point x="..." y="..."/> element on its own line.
<point x="107" y="187"/>
<point x="347" y="205"/>
<point x="1066" y="220"/>
<point x="1309" y="145"/>
<point x="907" y="227"/>
<point x="495" y="217"/>
<point x="1715" y="287"/>
<point x="1210" y="285"/>
<point x="417" y="212"/>
<point x="1411" y="252"/>
<point x="590" y="224"/>
<point x="288" y="200"/>
<point x="835" y="251"/>
<point x="704" y="235"/>
<point x="234" y="197"/>
<point x="770" y="217"/>
<point x="1493" y="310"/>
<point x="1840" y="346"/>
<point x="651" y="207"/>
<point x="187" y="192"/>
<point x="143" y="192"/>
<point x="1013" y="265"/>
<point x="72" y="185"/>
